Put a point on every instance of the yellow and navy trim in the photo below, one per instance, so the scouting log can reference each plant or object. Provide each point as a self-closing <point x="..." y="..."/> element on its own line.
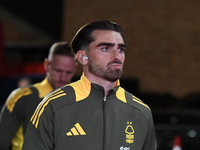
<point x="82" y="88"/>
<point x="39" y="110"/>
<point x="15" y="96"/>
<point x="139" y="101"/>
<point x="43" y="88"/>
<point x="121" y="96"/>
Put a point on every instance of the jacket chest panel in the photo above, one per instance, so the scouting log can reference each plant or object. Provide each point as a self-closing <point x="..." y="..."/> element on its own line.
<point x="110" y="124"/>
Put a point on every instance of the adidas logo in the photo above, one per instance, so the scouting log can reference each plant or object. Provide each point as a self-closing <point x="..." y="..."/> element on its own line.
<point x="76" y="130"/>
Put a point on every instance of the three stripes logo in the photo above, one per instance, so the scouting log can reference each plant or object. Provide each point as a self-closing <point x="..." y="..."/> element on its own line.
<point x="76" y="130"/>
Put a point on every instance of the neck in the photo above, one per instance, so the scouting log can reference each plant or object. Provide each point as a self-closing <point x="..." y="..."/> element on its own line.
<point x="107" y="85"/>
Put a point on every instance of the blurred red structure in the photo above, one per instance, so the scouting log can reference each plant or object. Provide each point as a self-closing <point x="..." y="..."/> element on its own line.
<point x="7" y="70"/>
<point x="177" y="143"/>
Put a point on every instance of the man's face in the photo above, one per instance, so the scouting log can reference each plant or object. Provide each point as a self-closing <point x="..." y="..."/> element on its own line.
<point x="106" y="55"/>
<point x="60" y="70"/>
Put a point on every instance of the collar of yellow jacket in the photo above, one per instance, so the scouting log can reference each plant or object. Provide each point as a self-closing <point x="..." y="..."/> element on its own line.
<point x="87" y="82"/>
<point x="83" y="87"/>
<point x="43" y="88"/>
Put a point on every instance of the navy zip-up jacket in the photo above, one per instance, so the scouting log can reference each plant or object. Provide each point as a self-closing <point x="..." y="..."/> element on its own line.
<point x="79" y="117"/>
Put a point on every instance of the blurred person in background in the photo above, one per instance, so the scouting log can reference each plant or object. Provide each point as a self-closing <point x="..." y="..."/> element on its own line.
<point x="60" y="67"/>
<point x="23" y="82"/>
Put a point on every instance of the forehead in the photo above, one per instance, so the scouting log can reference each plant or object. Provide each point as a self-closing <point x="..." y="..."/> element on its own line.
<point x="107" y="36"/>
<point x="62" y="61"/>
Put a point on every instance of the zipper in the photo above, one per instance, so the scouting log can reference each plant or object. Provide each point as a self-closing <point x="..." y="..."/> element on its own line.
<point x="103" y="105"/>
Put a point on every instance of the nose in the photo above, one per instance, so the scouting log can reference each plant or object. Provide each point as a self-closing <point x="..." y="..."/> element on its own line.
<point x="63" y="77"/>
<point x="116" y="54"/>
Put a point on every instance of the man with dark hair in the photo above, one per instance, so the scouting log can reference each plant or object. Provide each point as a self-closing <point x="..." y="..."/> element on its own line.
<point x="94" y="113"/>
<point x="60" y="67"/>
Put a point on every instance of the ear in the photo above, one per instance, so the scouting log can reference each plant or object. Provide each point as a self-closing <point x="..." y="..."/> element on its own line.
<point x="46" y="63"/>
<point x="80" y="55"/>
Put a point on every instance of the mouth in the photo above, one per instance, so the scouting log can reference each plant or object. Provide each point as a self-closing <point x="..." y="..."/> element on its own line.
<point x="61" y="84"/>
<point x="119" y="66"/>
<point x="115" y="64"/>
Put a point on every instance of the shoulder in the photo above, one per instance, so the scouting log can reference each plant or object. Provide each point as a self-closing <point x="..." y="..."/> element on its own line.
<point x="16" y="95"/>
<point x="135" y="102"/>
<point x="59" y="97"/>
<point x="52" y="102"/>
<point x="140" y="105"/>
<point x="20" y="92"/>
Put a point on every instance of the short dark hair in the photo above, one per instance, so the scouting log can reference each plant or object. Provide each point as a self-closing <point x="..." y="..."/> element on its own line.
<point x="83" y="37"/>
<point x="61" y="48"/>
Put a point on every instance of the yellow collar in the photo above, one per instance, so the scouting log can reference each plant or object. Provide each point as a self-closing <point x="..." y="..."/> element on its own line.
<point x="43" y="88"/>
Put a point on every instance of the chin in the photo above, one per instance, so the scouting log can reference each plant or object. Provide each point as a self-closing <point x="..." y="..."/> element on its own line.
<point x="58" y="86"/>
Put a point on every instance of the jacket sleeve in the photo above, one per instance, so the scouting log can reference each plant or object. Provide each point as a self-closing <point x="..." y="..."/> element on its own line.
<point x="9" y="122"/>
<point x="150" y="141"/>
<point x="39" y="133"/>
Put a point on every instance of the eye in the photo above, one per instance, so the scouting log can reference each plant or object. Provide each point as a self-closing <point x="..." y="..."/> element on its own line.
<point x="57" y="70"/>
<point x="105" y="49"/>
<point x="121" y="50"/>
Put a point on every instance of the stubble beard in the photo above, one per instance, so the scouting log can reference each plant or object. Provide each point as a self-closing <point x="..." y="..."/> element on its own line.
<point x="110" y="74"/>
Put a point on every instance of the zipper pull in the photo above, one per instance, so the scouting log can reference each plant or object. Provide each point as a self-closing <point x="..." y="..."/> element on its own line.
<point x="105" y="98"/>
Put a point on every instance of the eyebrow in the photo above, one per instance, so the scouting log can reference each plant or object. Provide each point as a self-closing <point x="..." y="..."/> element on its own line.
<point x="122" y="45"/>
<point x="111" y="44"/>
